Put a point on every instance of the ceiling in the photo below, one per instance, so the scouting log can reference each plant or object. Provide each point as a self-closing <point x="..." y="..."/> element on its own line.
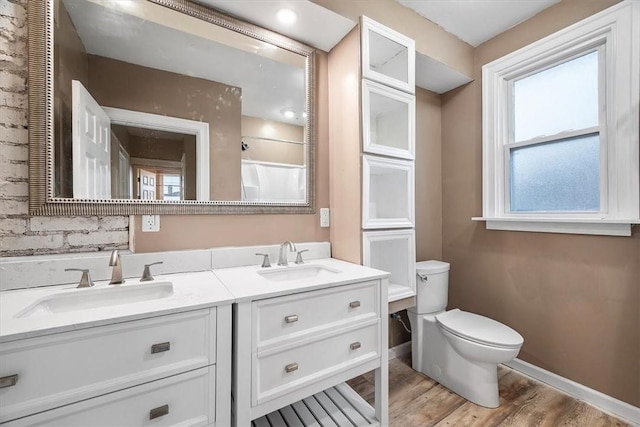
<point x="476" y="21"/>
<point x="271" y="81"/>
<point x="316" y="26"/>
<point x="473" y="21"/>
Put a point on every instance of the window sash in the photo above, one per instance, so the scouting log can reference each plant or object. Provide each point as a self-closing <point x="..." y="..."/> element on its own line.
<point x="509" y="144"/>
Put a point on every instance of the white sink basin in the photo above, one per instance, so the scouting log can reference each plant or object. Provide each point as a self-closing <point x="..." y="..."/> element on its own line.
<point x="91" y="298"/>
<point x="298" y="272"/>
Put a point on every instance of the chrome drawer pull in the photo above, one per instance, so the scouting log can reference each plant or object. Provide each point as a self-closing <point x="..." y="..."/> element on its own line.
<point x="159" y="348"/>
<point x="9" y="381"/>
<point x="291" y="319"/>
<point x="356" y="345"/>
<point x="158" y="412"/>
<point x="291" y="367"/>
<point x="354" y="304"/>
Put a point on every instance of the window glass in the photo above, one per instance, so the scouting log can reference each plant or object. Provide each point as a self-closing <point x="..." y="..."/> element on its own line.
<point x="559" y="176"/>
<point x="561" y="98"/>
<point x="172" y="187"/>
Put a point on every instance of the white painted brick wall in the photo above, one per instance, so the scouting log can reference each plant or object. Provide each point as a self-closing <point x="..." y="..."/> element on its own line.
<point x="21" y="234"/>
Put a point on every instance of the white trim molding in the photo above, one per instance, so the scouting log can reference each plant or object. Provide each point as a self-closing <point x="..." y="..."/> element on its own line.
<point x="615" y="33"/>
<point x="618" y="408"/>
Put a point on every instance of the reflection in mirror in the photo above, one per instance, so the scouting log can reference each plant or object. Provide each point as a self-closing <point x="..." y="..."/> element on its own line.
<point x="119" y="59"/>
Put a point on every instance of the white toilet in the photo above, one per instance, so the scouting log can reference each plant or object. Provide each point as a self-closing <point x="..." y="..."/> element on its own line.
<point x="459" y="350"/>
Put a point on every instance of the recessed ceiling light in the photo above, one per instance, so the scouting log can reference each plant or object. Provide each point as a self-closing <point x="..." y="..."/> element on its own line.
<point x="287" y="16"/>
<point x="289" y="113"/>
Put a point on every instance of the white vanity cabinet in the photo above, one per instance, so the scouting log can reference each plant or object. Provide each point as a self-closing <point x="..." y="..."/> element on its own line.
<point x="166" y="370"/>
<point x="296" y="342"/>
<point x="293" y="352"/>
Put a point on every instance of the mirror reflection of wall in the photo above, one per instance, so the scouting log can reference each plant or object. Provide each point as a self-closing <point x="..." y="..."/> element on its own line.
<point x="172" y="73"/>
<point x="273" y="161"/>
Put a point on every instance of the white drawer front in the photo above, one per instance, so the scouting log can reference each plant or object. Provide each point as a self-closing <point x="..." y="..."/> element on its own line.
<point x="313" y="360"/>
<point x="184" y="400"/>
<point x="275" y="318"/>
<point x="63" y="368"/>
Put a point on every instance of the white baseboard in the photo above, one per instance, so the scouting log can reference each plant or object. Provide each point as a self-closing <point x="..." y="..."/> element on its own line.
<point x="400" y="350"/>
<point x="615" y="407"/>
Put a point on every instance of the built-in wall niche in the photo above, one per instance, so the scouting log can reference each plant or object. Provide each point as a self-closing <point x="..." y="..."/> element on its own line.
<point x="388" y="192"/>
<point x="388" y="121"/>
<point x="392" y="251"/>
<point x="388" y="56"/>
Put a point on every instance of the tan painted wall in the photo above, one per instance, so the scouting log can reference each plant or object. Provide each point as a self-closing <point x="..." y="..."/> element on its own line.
<point x="344" y="116"/>
<point x="207" y="231"/>
<point x="575" y="299"/>
<point x="266" y="150"/>
<point x="70" y="64"/>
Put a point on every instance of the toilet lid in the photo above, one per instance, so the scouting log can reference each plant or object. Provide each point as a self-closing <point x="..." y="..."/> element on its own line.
<point x="479" y="329"/>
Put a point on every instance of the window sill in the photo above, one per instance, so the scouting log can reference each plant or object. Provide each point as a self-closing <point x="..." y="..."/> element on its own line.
<point x="600" y="227"/>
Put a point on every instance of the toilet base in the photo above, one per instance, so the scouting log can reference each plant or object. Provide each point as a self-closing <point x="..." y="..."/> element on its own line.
<point x="433" y="356"/>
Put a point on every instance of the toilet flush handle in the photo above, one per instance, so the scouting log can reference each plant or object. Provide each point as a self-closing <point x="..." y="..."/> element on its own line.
<point x="422" y="277"/>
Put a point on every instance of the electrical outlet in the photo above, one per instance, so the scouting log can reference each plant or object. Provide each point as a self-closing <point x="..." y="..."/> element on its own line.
<point x="150" y="223"/>
<point x="324" y="217"/>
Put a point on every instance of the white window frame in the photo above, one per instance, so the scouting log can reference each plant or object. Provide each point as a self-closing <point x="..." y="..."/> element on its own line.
<point x="615" y="32"/>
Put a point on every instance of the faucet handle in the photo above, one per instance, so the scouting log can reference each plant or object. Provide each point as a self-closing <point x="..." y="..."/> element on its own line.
<point x="299" y="259"/>
<point x="265" y="261"/>
<point x="85" y="280"/>
<point x="146" y="274"/>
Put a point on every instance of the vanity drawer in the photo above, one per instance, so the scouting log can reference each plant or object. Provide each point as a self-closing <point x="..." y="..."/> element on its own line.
<point x="276" y="318"/>
<point x="63" y="368"/>
<point x="279" y="372"/>
<point x="185" y="400"/>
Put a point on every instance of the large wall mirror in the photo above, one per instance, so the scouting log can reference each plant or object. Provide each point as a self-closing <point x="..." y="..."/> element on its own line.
<point x="166" y="106"/>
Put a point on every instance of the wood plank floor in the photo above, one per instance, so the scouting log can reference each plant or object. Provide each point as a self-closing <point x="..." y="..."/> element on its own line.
<point x="417" y="401"/>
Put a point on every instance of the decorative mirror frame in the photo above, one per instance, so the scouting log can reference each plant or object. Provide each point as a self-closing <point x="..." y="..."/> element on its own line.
<point x="41" y="134"/>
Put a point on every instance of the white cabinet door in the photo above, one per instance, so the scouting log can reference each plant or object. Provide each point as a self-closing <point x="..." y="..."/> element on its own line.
<point x="387" y="193"/>
<point x="388" y="57"/>
<point x="388" y="121"/>
<point x="91" y="146"/>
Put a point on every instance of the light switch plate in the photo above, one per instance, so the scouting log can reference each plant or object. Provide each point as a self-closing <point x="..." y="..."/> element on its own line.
<point x="324" y="217"/>
<point x="150" y="223"/>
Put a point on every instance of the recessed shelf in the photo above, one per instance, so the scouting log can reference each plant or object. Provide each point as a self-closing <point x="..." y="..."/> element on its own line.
<point x="393" y="251"/>
<point x="338" y="405"/>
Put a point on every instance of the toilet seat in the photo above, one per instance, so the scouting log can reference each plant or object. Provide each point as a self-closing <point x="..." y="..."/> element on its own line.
<point x="479" y="329"/>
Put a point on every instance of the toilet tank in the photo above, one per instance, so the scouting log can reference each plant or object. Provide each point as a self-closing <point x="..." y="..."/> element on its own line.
<point x="432" y="286"/>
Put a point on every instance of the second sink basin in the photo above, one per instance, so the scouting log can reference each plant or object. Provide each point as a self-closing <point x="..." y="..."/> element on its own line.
<point x="298" y="272"/>
<point x="91" y="298"/>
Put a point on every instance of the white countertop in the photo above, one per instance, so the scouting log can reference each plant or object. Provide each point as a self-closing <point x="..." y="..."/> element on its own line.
<point x="191" y="291"/>
<point x="247" y="285"/>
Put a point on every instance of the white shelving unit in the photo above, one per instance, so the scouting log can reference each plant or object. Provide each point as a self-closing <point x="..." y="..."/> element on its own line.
<point x="388" y="138"/>
<point x="372" y="154"/>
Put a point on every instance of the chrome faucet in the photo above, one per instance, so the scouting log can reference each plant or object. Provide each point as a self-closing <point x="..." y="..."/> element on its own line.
<point x="282" y="259"/>
<point x="116" y="273"/>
